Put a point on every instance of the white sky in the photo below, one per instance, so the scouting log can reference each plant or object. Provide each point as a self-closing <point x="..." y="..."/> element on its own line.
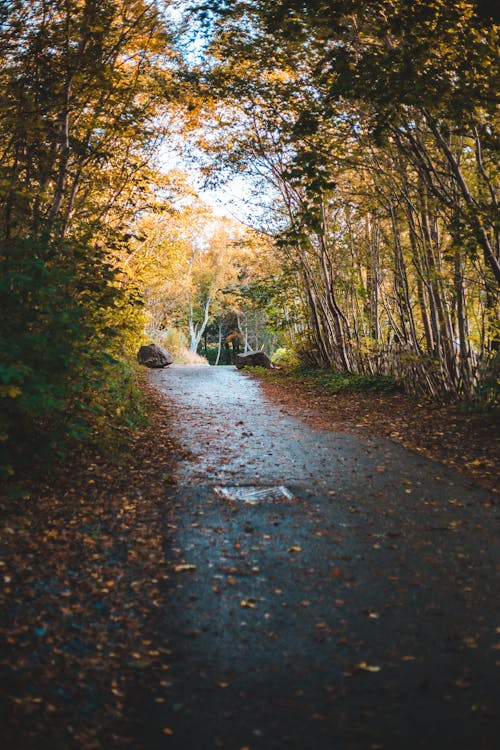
<point x="235" y="199"/>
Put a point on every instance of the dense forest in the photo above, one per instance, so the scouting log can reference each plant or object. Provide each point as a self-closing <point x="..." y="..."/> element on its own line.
<point x="369" y="243"/>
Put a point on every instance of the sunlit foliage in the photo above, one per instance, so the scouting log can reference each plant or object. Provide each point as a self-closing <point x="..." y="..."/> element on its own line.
<point x="81" y="83"/>
<point x="375" y="124"/>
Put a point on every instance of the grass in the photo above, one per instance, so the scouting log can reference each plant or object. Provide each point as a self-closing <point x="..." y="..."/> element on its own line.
<point x="333" y="382"/>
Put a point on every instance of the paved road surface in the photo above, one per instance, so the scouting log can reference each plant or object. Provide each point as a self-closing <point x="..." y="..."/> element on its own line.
<point x="345" y="593"/>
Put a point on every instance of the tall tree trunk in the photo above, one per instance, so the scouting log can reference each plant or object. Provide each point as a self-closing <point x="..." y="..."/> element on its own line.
<point x="219" y="343"/>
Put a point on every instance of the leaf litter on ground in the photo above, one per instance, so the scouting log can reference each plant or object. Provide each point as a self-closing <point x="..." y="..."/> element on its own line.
<point x="82" y="568"/>
<point x="467" y="441"/>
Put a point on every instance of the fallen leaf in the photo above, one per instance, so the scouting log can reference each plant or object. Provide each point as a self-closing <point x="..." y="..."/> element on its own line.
<point x="368" y="667"/>
<point x="470" y="642"/>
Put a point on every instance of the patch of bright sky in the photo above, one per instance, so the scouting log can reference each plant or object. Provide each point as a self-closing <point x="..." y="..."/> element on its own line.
<point x="239" y="196"/>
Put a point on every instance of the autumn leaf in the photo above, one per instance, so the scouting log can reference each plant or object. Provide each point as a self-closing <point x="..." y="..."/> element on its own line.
<point x="248" y="603"/>
<point x="368" y="667"/>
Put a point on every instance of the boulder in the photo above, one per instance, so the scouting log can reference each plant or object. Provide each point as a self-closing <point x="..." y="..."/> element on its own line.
<point x="154" y="356"/>
<point x="253" y="359"/>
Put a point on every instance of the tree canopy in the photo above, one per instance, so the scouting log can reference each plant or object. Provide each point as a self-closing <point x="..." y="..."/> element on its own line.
<point x="375" y="123"/>
<point x="83" y="84"/>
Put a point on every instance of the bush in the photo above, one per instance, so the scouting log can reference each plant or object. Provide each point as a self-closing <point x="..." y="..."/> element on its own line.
<point x="345" y="382"/>
<point x="339" y="382"/>
<point x="285" y="357"/>
<point x="65" y="327"/>
<point x="176" y="343"/>
<point x="487" y="393"/>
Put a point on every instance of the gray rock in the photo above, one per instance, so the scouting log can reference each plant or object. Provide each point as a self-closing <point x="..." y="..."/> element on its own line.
<point x="154" y="356"/>
<point x="253" y="359"/>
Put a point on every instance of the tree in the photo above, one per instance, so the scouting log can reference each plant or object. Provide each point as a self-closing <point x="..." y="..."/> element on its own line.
<point x="82" y="83"/>
<point x="188" y="262"/>
<point x="374" y="122"/>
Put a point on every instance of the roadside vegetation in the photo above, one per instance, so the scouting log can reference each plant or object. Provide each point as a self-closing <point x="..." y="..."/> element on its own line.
<point x="337" y="382"/>
<point x="82" y="88"/>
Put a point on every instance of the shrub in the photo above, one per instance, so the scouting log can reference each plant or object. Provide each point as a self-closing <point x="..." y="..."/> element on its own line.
<point x="285" y="357"/>
<point x="176" y="343"/>
<point x="487" y="394"/>
<point x="65" y="327"/>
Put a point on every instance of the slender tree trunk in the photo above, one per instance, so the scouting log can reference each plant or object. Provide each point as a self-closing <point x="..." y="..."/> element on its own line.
<point x="219" y="343"/>
<point x="196" y="330"/>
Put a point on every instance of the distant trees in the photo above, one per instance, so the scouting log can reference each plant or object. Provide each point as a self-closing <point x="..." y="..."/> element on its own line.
<point x="375" y="123"/>
<point x="193" y="268"/>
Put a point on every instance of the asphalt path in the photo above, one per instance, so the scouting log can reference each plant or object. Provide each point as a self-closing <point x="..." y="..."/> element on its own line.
<point x="327" y="590"/>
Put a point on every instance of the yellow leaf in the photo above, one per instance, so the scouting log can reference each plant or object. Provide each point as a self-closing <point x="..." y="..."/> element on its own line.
<point x="295" y="549"/>
<point x="470" y="642"/>
<point x="184" y="566"/>
<point x="10" y="391"/>
<point x="368" y="667"/>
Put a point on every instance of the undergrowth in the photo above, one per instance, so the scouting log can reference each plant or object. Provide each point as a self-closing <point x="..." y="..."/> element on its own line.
<point x="121" y="408"/>
<point x="68" y="332"/>
<point x="335" y="382"/>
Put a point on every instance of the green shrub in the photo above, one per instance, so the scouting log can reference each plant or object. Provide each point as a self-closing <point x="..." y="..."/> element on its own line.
<point x="285" y="357"/>
<point x="487" y="393"/>
<point x="335" y="382"/>
<point x="339" y="382"/>
<point x="65" y="326"/>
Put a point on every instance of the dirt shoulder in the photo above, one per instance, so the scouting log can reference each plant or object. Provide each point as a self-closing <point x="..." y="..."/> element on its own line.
<point x="82" y="564"/>
<point x="467" y="442"/>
